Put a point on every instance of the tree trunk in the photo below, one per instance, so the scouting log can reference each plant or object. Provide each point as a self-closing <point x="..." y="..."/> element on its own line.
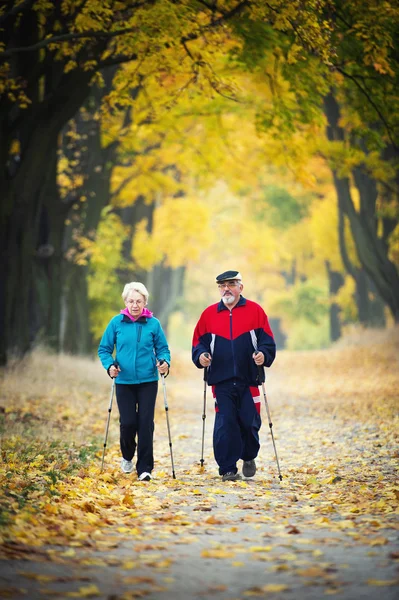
<point x="166" y="287"/>
<point x="365" y="306"/>
<point x="95" y="165"/>
<point x="371" y="249"/>
<point x="21" y="214"/>
<point x="336" y="281"/>
<point x="164" y="284"/>
<point x="47" y="267"/>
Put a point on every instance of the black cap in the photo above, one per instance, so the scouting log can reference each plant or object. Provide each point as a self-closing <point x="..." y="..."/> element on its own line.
<point x="228" y="275"/>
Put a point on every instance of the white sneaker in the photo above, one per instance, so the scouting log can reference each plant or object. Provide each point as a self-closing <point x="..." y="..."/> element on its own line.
<point x="126" y="465"/>
<point x="145" y="476"/>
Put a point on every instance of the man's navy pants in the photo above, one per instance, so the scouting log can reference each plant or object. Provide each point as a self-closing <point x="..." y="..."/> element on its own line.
<point x="237" y="424"/>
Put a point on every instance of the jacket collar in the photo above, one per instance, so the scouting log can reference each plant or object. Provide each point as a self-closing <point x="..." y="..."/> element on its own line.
<point x="221" y="306"/>
<point x="141" y="319"/>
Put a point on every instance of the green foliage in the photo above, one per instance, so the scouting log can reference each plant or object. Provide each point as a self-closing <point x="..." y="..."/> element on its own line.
<point x="278" y="208"/>
<point x="303" y="335"/>
<point x="257" y="39"/>
<point x="306" y="301"/>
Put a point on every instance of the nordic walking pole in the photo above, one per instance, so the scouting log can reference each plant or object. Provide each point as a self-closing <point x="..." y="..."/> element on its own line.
<point x="109" y="417"/>
<point x="261" y="372"/>
<point x="204" y="414"/>
<point x="167" y="419"/>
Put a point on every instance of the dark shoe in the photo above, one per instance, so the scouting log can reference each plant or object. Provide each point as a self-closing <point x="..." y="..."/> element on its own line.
<point x="230" y="476"/>
<point x="145" y="476"/>
<point x="249" y="468"/>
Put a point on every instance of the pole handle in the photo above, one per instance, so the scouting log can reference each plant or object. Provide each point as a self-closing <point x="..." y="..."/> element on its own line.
<point x="163" y="376"/>
<point x="261" y="371"/>
<point x="206" y="354"/>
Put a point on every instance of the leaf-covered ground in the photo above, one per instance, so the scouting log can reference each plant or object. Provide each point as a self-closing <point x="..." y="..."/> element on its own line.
<point x="329" y="528"/>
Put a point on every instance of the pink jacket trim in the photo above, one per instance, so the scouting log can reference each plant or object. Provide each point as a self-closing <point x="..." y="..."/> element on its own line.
<point x="146" y="313"/>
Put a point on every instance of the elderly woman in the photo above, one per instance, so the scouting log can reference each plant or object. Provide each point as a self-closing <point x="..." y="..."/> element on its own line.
<point x="141" y="347"/>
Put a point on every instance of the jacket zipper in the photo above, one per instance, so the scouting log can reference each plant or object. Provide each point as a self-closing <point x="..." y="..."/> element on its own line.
<point x="139" y="333"/>
<point x="232" y="344"/>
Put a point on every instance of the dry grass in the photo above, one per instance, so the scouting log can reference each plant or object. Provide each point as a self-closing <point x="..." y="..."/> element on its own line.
<point x="47" y="395"/>
<point x="50" y="396"/>
<point x="359" y="375"/>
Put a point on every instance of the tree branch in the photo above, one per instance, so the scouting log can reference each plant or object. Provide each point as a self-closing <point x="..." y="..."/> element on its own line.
<point x="66" y="37"/>
<point x="372" y="103"/>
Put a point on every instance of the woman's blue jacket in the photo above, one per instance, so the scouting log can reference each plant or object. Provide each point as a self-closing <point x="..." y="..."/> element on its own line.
<point x="139" y="344"/>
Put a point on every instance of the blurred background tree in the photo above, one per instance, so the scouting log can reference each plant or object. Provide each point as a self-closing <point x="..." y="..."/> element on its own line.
<point x="167" y="141"/>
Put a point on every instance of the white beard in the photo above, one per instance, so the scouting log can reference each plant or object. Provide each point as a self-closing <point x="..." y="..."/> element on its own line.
<point x="228" y="299"/>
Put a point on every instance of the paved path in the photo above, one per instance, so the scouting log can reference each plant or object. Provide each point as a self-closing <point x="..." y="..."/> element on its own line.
<point x="330" y="527"/>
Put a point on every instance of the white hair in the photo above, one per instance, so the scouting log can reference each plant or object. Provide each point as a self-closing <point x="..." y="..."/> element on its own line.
<point x="135" y="286"/>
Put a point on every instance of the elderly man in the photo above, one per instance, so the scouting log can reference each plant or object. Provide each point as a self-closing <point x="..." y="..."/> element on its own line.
<point x="232" y="339"/>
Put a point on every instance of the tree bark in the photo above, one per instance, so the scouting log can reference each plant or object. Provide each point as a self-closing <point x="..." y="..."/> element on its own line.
<point x="336" y="281"/>
<point x="371" y="249"/>
<point x="21" y="215"/>
<point x="95" y="165"/>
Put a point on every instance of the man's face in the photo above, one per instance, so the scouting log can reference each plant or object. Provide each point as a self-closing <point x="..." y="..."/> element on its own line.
<point x="230" y="291"/>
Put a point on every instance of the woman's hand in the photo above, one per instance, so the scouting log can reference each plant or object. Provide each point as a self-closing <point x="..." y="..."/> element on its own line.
<point x="163" y="367"/>
<point x="114" y="371"/>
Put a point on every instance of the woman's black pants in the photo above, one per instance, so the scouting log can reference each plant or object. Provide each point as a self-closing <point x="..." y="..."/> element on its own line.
<point x="136" y="403"/>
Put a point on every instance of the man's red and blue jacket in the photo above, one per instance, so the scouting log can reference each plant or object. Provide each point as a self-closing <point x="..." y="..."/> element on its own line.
<point x="231" y="337"/>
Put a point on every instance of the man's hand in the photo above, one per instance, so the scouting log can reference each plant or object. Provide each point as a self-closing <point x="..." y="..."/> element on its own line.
<point x="259" y="358"/>
<point x="114" y="371"/>
<point x="205" y="359"/>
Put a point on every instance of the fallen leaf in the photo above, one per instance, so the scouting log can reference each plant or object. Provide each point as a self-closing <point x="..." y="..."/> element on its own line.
<point x="382" y="582"/>
<point x="217" y="554"/>
<point x="292" y="529"/>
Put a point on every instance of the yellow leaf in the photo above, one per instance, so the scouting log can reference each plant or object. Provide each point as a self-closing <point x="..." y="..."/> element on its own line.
<point x="260" y="548"/>
<point x="70" y="552"/>
<point x="50" y="509"/>
<point x="382" y="582"/>
<point x="217" y="554"/>
<point x="288" y="556"/>
<point x="128" y="500"/>
<point x="275" y="587"/>
<point x="213" y="520"/>
<point x="279" y="568"/>
<point x="381" y="541"/>
<point x="346" y="524"/>
<point x="87" y="591"/>
<point x="311" y="572"/>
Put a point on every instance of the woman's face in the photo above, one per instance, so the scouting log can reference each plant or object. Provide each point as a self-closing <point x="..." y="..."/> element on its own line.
<point x="135" y="303"/>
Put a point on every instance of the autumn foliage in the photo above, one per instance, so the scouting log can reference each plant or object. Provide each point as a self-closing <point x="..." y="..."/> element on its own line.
<point x="335" y="422"/>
